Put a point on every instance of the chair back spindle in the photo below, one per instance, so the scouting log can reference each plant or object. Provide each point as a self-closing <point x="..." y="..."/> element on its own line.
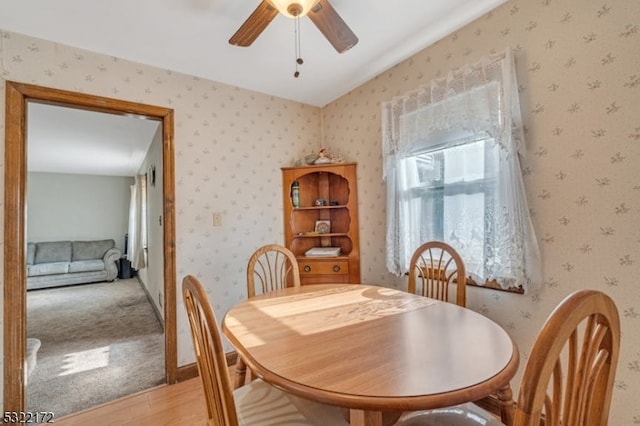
<point x="434" y="268"/>
<point x="270" y="268"/>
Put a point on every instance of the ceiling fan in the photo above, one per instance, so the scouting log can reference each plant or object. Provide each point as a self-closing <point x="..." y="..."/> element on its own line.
<point x="321" y="13"/>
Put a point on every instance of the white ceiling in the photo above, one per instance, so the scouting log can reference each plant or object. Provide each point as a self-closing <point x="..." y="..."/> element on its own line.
<point x="68" y="140"/>
<point x="191" y="37"/>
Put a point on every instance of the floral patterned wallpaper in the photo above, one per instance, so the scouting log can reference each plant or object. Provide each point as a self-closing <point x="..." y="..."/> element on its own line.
<point x="579" y="75"/>
<point x="229" y="146"/>
<point x="578" y="66"/>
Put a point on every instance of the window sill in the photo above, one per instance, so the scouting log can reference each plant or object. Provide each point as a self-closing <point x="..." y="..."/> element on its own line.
<point x="493" y="285"/>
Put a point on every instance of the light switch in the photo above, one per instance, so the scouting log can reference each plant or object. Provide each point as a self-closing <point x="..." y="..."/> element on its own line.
<point x="217" y="218"/>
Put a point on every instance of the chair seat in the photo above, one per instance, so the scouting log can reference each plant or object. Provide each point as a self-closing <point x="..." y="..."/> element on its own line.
<point x="258" y="403"/>
<point x="459" y="415"/>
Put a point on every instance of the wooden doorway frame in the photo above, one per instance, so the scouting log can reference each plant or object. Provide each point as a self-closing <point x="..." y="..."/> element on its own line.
<point x="17" y="96"/>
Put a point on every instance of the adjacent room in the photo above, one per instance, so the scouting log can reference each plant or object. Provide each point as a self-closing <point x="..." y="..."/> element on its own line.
<point x="351" y="136"/>
<point x="93" y="309"/>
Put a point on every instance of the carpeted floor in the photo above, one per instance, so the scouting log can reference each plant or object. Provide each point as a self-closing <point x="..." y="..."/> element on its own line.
<point x="100" y="342"/>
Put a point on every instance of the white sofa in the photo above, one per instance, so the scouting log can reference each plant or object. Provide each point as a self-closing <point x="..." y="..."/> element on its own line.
<point x="60" y="263"/>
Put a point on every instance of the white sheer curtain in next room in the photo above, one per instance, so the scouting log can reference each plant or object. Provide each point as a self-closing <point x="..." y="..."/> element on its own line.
<point x="138" y="223"/>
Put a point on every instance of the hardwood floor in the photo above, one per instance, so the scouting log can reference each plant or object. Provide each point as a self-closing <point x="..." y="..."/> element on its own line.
<point x="175" y="405"/>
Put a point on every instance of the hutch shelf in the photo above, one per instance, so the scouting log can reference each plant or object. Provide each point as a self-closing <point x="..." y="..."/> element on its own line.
<point x="327" y="218"/>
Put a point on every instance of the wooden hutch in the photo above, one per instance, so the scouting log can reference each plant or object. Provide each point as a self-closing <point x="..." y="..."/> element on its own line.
<point x="327" y="217"/>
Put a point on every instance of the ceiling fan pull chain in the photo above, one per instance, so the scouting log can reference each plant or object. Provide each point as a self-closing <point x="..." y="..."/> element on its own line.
<point x="299" y="60"/>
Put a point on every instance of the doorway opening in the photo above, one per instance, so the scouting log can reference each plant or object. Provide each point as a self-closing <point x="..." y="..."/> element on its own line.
<point x="17" y="97"/>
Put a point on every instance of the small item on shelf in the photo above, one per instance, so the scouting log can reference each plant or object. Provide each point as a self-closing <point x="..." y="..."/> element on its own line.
<point x="310" y="159"/>
<point x="323" y="252"/>
<point x="323" y="226"/>
<point x="323" y="157"/>
<point x="295" y="194"/>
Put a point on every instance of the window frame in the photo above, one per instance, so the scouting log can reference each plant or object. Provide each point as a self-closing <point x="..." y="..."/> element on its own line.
<point x="413" y="192"/>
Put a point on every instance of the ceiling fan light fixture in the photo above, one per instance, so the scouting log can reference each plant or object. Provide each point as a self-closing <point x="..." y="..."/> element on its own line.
<point x="295" y="8"/>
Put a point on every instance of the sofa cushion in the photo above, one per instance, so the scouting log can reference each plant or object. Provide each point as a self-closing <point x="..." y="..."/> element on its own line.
<point x="86" y="265"/>
<point x="86" y="250"/>
<point x="53" y="251"/>
<point x="31" y="253"/>
<point x="47" y="268"/>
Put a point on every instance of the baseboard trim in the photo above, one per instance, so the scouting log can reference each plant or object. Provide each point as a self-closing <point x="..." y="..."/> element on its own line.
<point x="187" y="372"/>
<point x="151" y="302"/>
<point x="190" y="371"/>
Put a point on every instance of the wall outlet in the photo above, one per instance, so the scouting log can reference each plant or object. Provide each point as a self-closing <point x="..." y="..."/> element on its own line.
<point x="217" y="218"/>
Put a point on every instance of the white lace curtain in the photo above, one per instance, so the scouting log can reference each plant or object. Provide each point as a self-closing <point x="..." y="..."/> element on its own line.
<point x="476" y="102"/>
<point x="137" y="223"/>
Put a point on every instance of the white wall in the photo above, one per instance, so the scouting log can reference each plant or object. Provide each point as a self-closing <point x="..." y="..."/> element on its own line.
<point x="77" y="207"/>
<point x="152" y="275"/>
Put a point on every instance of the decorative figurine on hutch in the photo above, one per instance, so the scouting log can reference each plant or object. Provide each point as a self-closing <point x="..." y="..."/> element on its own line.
<point x="323" y="157"/>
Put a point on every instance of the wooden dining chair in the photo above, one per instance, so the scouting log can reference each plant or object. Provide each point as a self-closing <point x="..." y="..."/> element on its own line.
<point x="434" y="268"/>
<point x="271" y="267"/>
<point x="256" y="403"/>
<point x="568" y="379"/>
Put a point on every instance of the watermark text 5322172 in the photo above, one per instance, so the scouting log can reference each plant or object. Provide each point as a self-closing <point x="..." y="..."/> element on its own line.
<point x="24" y="417"/>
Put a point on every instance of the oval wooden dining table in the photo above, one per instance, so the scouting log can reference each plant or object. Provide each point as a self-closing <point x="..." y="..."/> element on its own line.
<point x="373" y="349"/>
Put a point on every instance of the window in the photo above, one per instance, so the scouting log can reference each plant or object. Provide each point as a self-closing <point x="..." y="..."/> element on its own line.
<point x="448" y="192"/>
<point x="138" y="223"/>
<point x="452" y="166"/>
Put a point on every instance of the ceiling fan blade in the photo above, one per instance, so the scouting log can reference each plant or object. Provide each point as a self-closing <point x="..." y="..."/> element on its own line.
<point x="254" y="25"/>
<point x="325" y="17"/>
